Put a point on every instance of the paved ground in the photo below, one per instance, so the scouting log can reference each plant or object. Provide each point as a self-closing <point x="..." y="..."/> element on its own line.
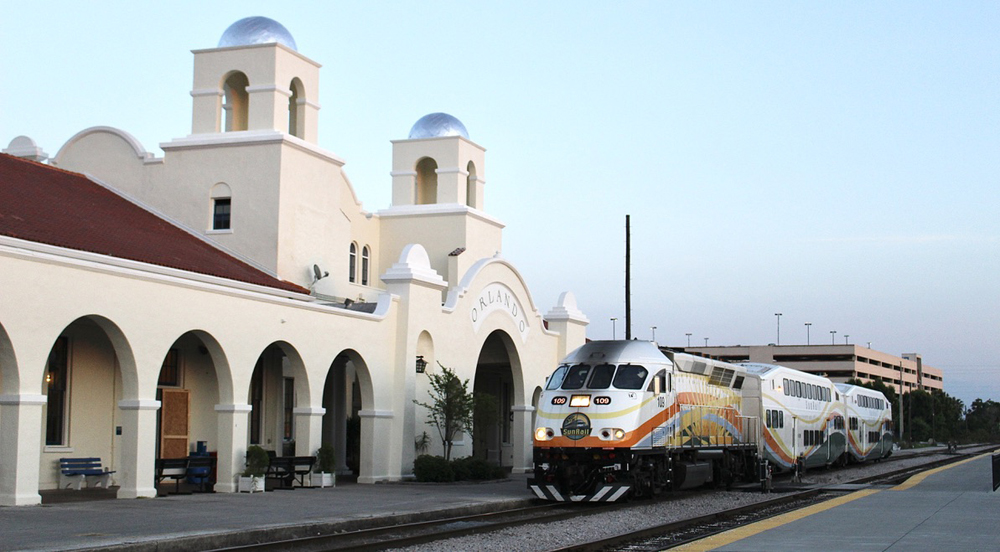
<point x="198" y="521"/>
<point x="952" y="508"/>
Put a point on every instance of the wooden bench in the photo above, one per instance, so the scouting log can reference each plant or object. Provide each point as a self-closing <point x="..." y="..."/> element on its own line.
<point x="74" y="472"/>
<point x="197" y="470"/>
<point x="172" y="468"/>
<point x="287" y="469"/>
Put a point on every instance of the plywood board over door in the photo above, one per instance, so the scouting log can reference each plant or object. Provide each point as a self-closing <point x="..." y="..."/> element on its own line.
<point x="175" y="422"/>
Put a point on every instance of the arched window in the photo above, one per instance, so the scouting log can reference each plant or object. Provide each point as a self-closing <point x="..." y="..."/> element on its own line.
<point x="237" y="101"/>
<point x="352" y="268"/>
<point x="222" y="207"/>
<point x="365" y="263"/>
<point x="470" y="186"/>
<point x="427" y="181"/>
<point x="296" y="109"/>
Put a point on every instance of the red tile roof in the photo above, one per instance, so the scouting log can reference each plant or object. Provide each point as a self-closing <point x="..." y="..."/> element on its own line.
<point x="47" y="205"/>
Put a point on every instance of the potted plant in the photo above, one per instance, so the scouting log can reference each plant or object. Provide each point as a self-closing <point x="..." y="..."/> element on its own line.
<point x="326" y="462"/>
<point x="252" y="480"/>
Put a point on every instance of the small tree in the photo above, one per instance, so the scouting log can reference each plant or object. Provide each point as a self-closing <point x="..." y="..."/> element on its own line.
<point x="451" y="408"/>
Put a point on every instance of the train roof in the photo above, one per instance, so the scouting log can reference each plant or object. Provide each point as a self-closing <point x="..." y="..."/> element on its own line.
<point x="848" y="389"/>
<point x="618" y="352"/>
<point x="767" y="371"/>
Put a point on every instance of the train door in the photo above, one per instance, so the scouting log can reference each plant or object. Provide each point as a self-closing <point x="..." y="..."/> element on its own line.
<point x="795" y="437"/>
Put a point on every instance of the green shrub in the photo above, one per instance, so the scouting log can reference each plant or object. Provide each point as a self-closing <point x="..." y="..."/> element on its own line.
<point x="257" y="462"/>
<point x="476" y="469"/>
<point x="433" y="469"/>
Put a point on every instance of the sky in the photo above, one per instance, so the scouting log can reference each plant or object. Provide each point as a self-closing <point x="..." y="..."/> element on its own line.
<point x="838" y="163"/>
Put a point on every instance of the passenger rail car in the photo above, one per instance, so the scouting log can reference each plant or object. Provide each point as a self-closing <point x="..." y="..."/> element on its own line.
<point x="624" y="418"/>
<point x="621" y="418"/>
<point x="802" y="415"/>
<point x="869" y="423"/>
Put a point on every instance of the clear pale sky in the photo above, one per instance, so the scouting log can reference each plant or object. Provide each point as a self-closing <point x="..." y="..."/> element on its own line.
<point x="834" y="162"/>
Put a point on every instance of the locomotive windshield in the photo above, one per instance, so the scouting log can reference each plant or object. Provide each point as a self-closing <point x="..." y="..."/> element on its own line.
<point x="602" y="376"/>
<point x="630" y="377"/>
<point x="557" y="377"/>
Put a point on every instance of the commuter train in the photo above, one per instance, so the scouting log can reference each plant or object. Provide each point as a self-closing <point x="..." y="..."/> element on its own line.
<point x="621" y="419"/>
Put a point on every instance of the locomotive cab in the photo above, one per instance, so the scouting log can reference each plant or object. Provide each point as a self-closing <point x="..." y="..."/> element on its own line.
<point x="623" y="418"/>
<point x="591" y="416"/>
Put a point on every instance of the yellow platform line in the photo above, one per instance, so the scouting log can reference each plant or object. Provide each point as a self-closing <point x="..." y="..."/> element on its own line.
<point x="740" y="533"/>
<point x="916" y="479"/>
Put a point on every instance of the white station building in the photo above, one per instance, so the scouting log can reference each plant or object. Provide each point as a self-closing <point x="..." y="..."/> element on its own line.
<point x="234" y="291"/>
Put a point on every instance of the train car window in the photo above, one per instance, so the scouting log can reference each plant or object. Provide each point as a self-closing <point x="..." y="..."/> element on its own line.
<point x="785" y="386"/>
<point x="798" y="389"/>
<point x="630" y="376"/>
<point x="601" y="375"/>
<point x="767" y="418"/>
<point x="576" y="376"/>
<point x="781" y="418"/>
<point x="659" y="383"/>
<point x="738" y="384"/>
<point x="557" y="377"/>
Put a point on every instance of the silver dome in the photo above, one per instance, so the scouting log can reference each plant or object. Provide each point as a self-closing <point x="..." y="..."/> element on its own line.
<point x="256" y="30"/>
<point x="436" y="125"/>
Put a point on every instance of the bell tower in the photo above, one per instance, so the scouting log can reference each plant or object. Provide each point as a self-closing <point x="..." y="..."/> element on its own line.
<point x="255" y="80"/>
<point x="438" y="164"/>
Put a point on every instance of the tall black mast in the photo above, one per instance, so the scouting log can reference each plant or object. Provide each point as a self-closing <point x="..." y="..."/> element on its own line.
<point x="628" y="280"/>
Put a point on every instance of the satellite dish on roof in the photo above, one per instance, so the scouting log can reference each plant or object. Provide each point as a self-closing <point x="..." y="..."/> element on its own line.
<point x="318" y="274"/>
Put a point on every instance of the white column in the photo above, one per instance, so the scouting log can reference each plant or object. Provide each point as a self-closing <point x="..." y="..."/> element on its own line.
<point x="20" y="441"/>
<point x="136" y="475"/>
<point x="376" y="428"/>
<point x="523" y="461"/>
<point x="308" y="429"/>
<point x="232" y="450"/>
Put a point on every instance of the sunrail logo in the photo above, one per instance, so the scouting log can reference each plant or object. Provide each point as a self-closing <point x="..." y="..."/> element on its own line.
<point x="576" y="426"/>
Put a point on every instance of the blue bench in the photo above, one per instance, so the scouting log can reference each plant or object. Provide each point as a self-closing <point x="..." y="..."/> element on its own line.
<point x="74" y="472"/>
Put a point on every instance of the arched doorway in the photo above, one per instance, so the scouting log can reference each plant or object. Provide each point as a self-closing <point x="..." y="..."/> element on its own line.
<point x="346" y="391"/>
<point x="83" y="384"/>
<point x="277" y="384"/>
<point x="493" y="438"/>
<point x="188" y="390"/>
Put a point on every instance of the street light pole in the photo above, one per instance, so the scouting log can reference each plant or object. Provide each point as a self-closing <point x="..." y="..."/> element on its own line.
<point x="653" y="329"/>
<point x="833" y="337"/>
<point x="689" y="339"/>
<point x="845" y="338"/>
<point x="778" y="316"/>
<point x="614" y="328"/>
<point x="706" y="342"/>
<point x="807" y="331"/>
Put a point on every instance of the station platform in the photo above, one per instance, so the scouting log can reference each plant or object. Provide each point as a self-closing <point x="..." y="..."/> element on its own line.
<point x="203" y="521"/>
<point x="949" y="508"/>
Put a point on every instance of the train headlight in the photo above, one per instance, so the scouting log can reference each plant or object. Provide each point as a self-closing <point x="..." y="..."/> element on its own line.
<point x="612" y="434"/>
<point x="579" y="400"/>
<point x="544" y="434"/>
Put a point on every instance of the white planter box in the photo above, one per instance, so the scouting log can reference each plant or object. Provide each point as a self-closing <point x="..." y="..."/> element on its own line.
<point x="251" y="484"/>
<point x="323" y="480"/>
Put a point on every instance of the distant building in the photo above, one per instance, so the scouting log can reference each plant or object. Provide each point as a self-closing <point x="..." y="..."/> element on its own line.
<point x="837" y="362"/>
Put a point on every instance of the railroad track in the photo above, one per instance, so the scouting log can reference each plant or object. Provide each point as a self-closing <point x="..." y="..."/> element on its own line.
<point x="679" y="532"/>
<point x="409" y="534"/>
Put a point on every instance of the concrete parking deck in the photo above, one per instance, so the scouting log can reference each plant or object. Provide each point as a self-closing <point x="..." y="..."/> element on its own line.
<point x="949" y="508"/>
